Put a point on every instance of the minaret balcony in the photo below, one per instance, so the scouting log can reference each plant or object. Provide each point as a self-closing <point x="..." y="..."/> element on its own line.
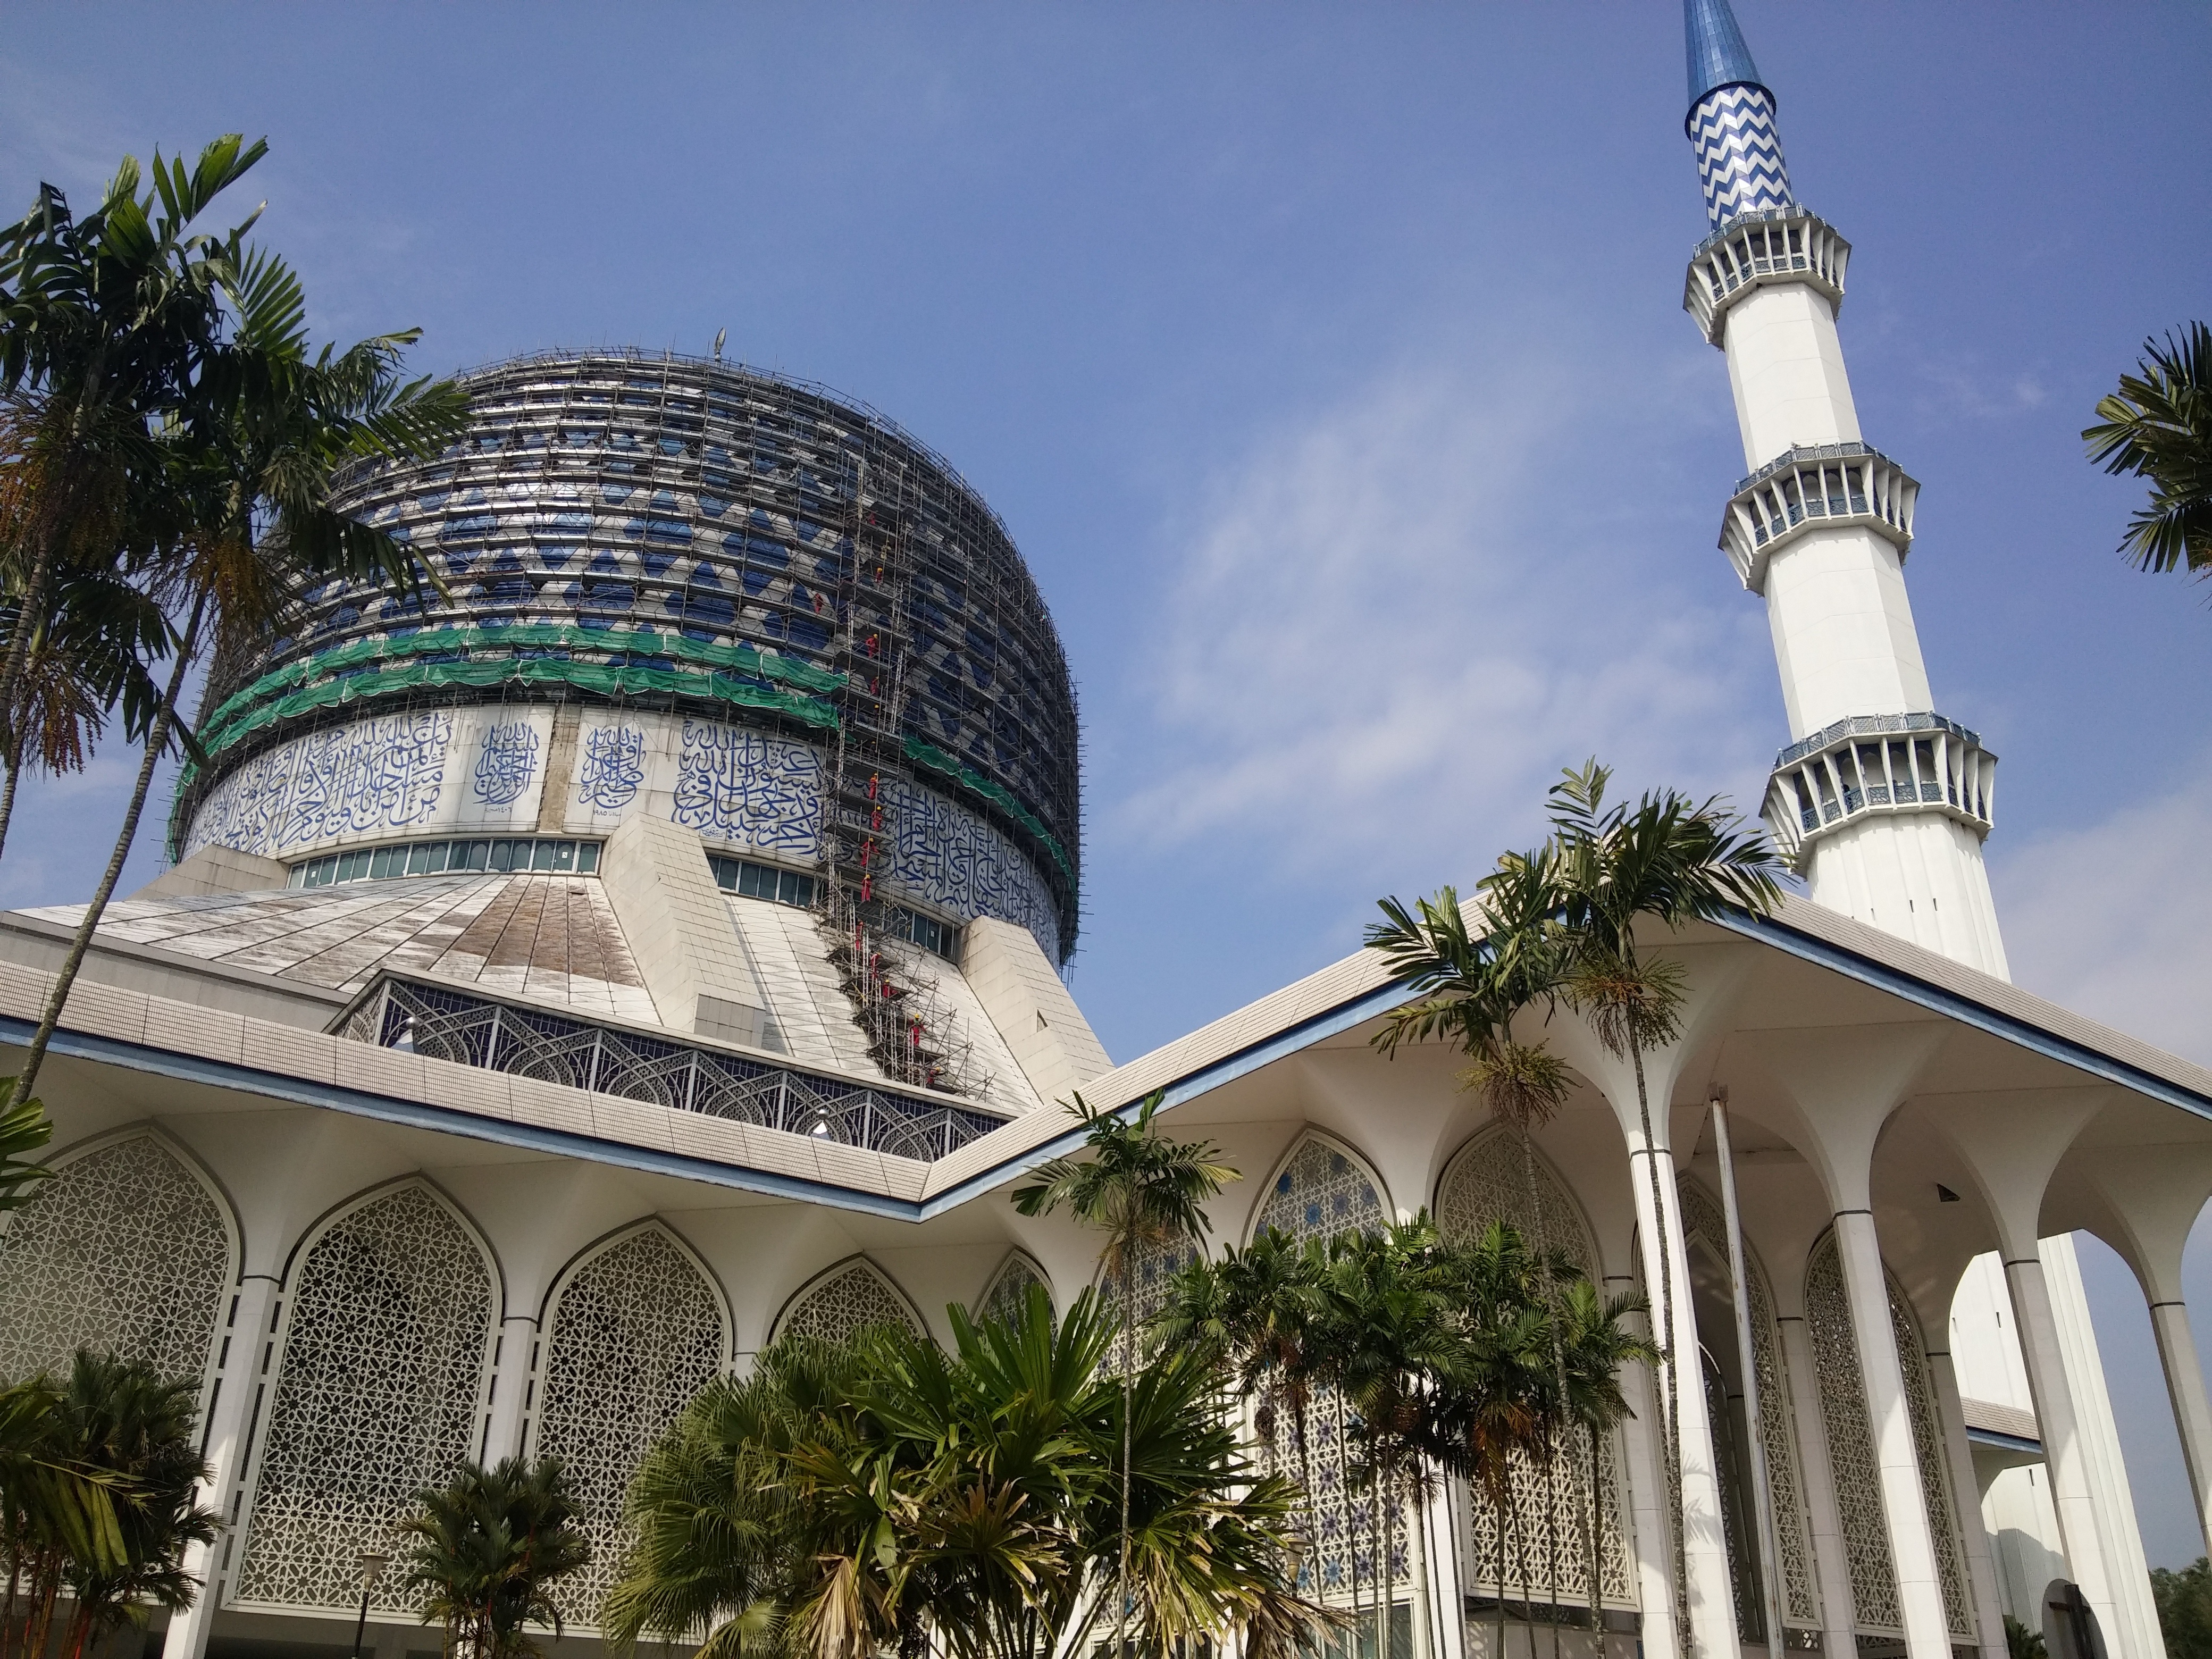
<point x="1878" y="765"/>
<point x="1752" y="250"/>
<point x="1822" y="487"/>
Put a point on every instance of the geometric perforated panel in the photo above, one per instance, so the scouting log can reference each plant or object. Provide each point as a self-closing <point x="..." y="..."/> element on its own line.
<point x="385" y="1346"/>
<point x="849" y="1300"/>
<point x="1546" y="1548"/>
<point x="124" y="1251"/>
<point x="1320" y="1192"/>
<point x="1801" y="1601"/>
<point x="1010" y="1287"/>
<point x="636" y="1332"/>
<point x="1851" y="1450"/>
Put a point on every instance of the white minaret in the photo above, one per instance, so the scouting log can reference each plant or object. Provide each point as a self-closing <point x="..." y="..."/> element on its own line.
<point x="1880" y="802"/>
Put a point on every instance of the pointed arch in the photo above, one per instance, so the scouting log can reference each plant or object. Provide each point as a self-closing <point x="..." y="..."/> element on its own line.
<point x="1704" y="1220"/>
<point x="634" y="1327"/>
<point x="1320" y="1188"/>
<point x="132" y="1247"/>
<point x="1009" y="1284"/>
<point x="1850" y="1446"/>
<point x="385" y="1341"/>
<point x="1488" y="1179"/>
<point x="844" y="1298"/>
<point x="1497" y="1175"/>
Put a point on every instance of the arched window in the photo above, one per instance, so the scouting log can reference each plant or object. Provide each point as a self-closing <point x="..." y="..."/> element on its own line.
<point x="379" y="1392"/>
<point x="634" y="1332"/>
<point x="1002" y="1299"/>
<point x="849" y="1298"/>
<point x="1320" y="1191"/>
<point x="1706" y="1224"/>
<point x="126" y="1250"/>
<point x="1850" y="1449"/>
<point x="1544" y="1556"/>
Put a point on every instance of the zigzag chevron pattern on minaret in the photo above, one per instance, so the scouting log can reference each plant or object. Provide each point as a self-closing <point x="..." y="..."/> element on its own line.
<point x="1739" y="148"/>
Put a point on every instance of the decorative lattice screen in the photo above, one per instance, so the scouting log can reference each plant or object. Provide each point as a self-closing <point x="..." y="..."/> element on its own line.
<point x="1801" y="1596"/>
<point x="385" y="1346"/>
<point x="843" y="1301"/>
<point x="1009" y="1287"/>
<point x="1546" y="1549"/>
<point x="1320" y="1192"/>
<point x="123" y="1250"/>
<point x="1851" y="1450"/>
<point x="634" y="1333"/>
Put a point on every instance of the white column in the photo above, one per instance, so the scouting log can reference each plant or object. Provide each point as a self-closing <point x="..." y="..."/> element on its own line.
<point x="1904" y="1500"/>
<point x="2192" y="1414"/>
<point x="243" y="1377"/>
<point x="2131" y="1629"/>
<point x="1704" y="1543"/>
<point x="1650" y="1543"/>
<point x="510" y="1388"/>
<point x="1981" y="1567"/>
<point x="2071" y="1499"/>
<point x="1838" y="1616"/>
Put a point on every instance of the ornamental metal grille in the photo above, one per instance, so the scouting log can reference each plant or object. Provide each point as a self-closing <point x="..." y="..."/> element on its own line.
<point x="1545" y="1544"/>
<point x="1850" y="1449"/>
<point x="845" y="1302"/>
<point x="1321" y="1194"/>
<point x="1928" y="1449"/>
<point x="1801" y="1599"/>
<point x="636" y="1332"/>
<point x="379" y="1395"/>
<point x="122" y="1250"/>
<point x="441" y="1024"/>
<point x="1850" y="1444"/>
<point x="1010" y="1286"/>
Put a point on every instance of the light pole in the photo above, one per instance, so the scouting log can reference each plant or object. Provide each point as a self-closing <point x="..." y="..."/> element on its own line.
<point x="371" y="1568"/>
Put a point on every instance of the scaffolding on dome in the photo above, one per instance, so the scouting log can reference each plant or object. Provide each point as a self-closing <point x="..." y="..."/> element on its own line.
<point x="671" y="533"/>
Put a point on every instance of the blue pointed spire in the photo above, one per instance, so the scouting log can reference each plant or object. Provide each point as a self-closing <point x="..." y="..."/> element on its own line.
<point x="1718" y="57"/>
<point x="1731" y="119"/>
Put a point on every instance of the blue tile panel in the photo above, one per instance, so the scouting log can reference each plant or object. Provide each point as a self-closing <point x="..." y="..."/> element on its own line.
<point x="1740" y="164"/>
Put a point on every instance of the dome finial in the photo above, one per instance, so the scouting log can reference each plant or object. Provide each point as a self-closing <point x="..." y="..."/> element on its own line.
<point x="1717" y="55"/>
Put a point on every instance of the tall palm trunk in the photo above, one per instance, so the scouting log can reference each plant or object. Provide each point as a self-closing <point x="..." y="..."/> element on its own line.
<point x="1596" y="1546"/>
<point x="19" y="653"/>
<point x="8" y="786"/>
<point x="1128" y="1442"/>
<point x="157" y="740"/>
<point x="1671" y="1425"/>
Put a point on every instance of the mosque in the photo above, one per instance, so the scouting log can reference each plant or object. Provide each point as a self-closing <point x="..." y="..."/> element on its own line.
<point x="650" y="943"/>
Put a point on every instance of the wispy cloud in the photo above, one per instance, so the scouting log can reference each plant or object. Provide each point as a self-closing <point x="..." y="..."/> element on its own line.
<point x="1390" y="625"/>
<point x="2112" y="920"/>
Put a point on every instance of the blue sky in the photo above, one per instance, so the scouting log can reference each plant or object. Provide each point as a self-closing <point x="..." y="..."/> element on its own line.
<point x="1328" y="366"/>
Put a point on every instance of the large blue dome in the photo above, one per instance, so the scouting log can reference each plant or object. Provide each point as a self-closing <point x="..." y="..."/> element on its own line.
<point x="684" y="587"/>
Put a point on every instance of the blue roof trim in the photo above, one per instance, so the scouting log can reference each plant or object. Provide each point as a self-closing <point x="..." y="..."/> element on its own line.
<point x="414" y="1115"/>
<point x="1964" y="1009"/>
<point x="2019" y="1442"/>
<point x="1718" y="56"/>
<point x="1327" y="1024"/>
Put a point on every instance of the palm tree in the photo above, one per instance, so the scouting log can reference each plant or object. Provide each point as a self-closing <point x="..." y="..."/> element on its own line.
<point x="246" y="487"/>
<point x="1667" y="859"/>
<point x="2159" y="426"/>
<point x="487" y="1547"/>
<point x="1593" y="1341"/>
<point x="117" y="1428"/>
<point x="23" y="1129"/>
<point x="1144" y="1192"/>
<point x="106" y="322"/>
<point x="843" y="1502"/>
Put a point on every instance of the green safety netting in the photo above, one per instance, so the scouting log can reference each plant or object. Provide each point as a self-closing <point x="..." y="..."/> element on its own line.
<point x="929" y="755"/>
<point x="744" y="659"/>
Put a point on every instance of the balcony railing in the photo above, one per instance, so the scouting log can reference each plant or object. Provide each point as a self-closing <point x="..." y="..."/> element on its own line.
<point x="1780" y="244"/>
<point x="1878" y="763"/>
<point x="1826" y="486"/>
<point x="443" y="1023"/>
